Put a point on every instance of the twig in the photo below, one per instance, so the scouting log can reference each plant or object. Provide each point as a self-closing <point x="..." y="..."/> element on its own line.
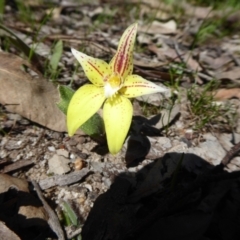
<point x="3" y="161"/>
<point x="74" y="234"/>
<point x="53" y="219"/>
<point x="39" y="138"/>
<point x="230" y="154"/>
<point x="189" y="71"/>
<point x="177" y="50"/>
<point x="63" y="180"/>
<point x="237" y="62"/>
<point x="17" y="165"/>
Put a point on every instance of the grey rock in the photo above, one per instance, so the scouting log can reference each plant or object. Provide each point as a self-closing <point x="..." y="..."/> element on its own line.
<point x="62" y="152"/>
<point x="58" y="164"/>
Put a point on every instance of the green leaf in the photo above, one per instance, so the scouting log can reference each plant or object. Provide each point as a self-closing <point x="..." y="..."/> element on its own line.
<point x="2" y="6"/>
<point x="56" y="56"/>
<point x="70" y="213"/>
<point x="66" y="94"/>
<point x="94" y="126"/>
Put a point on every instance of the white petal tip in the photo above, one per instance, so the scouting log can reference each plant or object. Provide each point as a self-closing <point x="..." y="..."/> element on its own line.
<point x="162" y="89"/>
<point x="73" y="50"/>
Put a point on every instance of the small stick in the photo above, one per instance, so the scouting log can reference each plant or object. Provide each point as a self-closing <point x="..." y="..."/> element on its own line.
<point x="230" y="154"/>
<point x="17" y="165"/>
<point x="53" y="220"/>
<point x="63" y="180"/>
<point x="75" y="233"/>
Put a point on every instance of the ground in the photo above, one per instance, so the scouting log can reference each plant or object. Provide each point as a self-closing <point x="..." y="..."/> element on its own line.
<point x="50" y="181"/>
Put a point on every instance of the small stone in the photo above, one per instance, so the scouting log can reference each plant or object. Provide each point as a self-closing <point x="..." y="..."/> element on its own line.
<point x="79" y="146"/>
<point x="81" y="140"/>
<point x="211" y="150"/>
<point x="24" y="121"/>
<point x="89" y="187"/>
<point x="51" y="149"/>
<point x="58" y="164"/>
<point x="81" y="200"/>
<point x="78" y="164"/>
<point x="14" y="116"/>
<point x="107" y="182"/>
<point x="189" y="134"/>
<point x="63" y="152"/>
<point x="56" y="135"/>
<point x="8" y="124"/>
<point x="232" y="167"/>
<point x="236" y="161"/>
<point x="15" y="144"/>
<point x="164" y="142"/>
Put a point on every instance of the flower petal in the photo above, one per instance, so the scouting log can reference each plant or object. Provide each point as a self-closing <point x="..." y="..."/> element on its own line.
<point x="117" y="116"/>
<point x="122" y="62"/>
<point x="135" y="86"/>
<point x="85" y="102"/>
<point x="95" y="69"/>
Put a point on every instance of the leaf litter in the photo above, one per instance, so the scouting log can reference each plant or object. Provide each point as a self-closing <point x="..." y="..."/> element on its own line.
<point x="31" y="97"/>
<point x="168" y="54"/>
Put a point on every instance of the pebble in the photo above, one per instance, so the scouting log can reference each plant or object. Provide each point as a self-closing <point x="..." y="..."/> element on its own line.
<point x="211" y="150"/>
<point x="232" y="167"/>
<point x="51" y="149"/>
<point x="164" y="142"/>
<point x="58" y="164"/>
<point x="78" y="164"/>
<point x="62" y="152"/>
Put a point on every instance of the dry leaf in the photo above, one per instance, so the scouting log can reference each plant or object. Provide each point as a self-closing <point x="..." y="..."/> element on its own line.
<point x="31" y="97"/>
<point x="222" y="94"/>
<point x="163" y="54"/>
<point x="8" y="182"/>
<point x="154" y="99"/>
<point x="167" y="116"/>
<point x="33" y="213"/>
<point x="29" y="212"/>
<point x="233" y="74"/>
<point x="157" y="27"/>
<point x="214" y="63"/>
<point x="197" y="12"/>
<point x="166" y="54"/>
<point x="147" y="63"/>
<point x="191" y="62"/>
<point x="161" y="10"/>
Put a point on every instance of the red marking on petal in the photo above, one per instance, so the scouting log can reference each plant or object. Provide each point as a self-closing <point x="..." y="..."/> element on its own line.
<point x="95" y="68"/>
<point x="139" y="85"/>
<point x="122" y="56"/>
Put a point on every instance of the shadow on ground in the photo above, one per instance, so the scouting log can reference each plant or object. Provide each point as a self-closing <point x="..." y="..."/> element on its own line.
<point x="179" y="196"/>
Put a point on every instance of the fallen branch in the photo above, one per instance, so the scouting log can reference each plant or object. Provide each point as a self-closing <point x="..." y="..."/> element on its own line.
<point x="230" y="154"/>
<point x="53" y="220"/>
<point x="63" y="180"/>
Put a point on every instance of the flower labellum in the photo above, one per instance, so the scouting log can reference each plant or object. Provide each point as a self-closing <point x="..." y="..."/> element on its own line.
<point x="112" y="86"/>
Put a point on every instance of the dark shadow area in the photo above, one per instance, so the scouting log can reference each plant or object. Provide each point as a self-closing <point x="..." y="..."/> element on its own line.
<point x="138" y="143"/>
<point x="179" y="196"/>
<point x="32" y="227"/>
<point x="137" y="148"/>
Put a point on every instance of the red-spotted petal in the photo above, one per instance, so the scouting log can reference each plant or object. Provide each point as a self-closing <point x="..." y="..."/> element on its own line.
<point x="117" y="115"/>
<point x="85" y="102"/>
<point x="95" y="69"/>
<point x="135" y="86"/>
<point x="122" y="62"/>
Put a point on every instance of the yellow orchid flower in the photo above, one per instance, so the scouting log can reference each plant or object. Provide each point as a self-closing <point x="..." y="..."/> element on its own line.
<point x="112" y="86"/>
